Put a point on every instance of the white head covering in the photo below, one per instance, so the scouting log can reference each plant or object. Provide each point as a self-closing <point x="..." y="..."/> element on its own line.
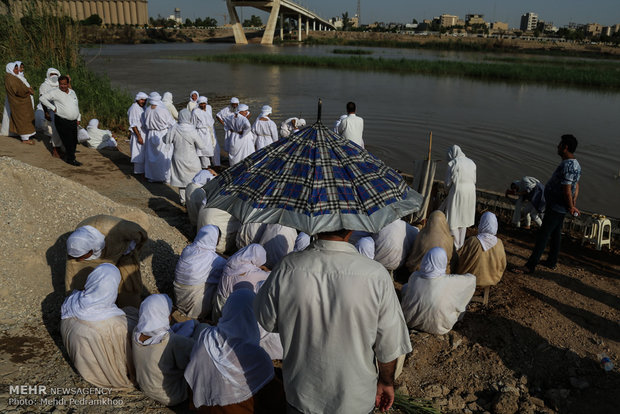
<point x="18" y="63"/>
<point x="51" y="77"/>
<point x="196" y="264"/>
<point x="155" y="102"/>
<point x="487" y="230"/>
<point x="300" y="123"/>
<point x="85" y="239"/>
<point x="93" y="123"/>
<point x="9" y="68"/>
<point x="234" y="100"/>
<point x="265" y="111"/>
<point x="434" y="263"/>
<point x="455" y="152"/>
<point x="202" y="99"/>
<point x="243" y="107"/>
<point x="366" y="246"/>
<point x="154" y="319"/>
<point x="243" y="367"/>
<point x="154" y="96"/>
<point x="301" y="242"/>
<point x="141" y="95"/>
<point x="248" y="259"/>
<point x="96" y="301"/>
<point x="203" y="177"/>
<point x="185" y="119"/>
<point x="191" y="94"/>
<point x="167" y="97"/>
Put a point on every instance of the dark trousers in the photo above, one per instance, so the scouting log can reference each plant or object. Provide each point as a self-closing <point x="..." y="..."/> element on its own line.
<point x="550" y="231"/>
<point x="67" y="130"/>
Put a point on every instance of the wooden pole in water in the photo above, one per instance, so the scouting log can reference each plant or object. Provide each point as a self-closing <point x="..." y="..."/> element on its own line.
<point x="430" y="145"/>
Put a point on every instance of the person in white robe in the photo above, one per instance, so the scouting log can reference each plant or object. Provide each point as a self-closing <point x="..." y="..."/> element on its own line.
<point x="338" y="122"/>
<point x="193" y="101"/>
<point x="195" y="196"/>
<point x="99" y="138"/>
<point x="352" y="127"/>
<point x="197" y="274"/>
<point x="247" y="265"/>
<point x="460" y="204"/>
<point x="44" y="118"/>
<point x="202" y="118"/>
<point x="228" y="369"/>
<point x="432" y="300"/>
<point x="301" y="242"/>
<point x="290" y="126"/>
<point x="393" y="243"/>
<point x="264" y="129"/>
<point x="223" y="116"/>
<point x="186" y="144"/>
<point x="241" y="137"/>
<point x="138" y="131"/>
<point x="278" y="241"/>
<point x="531" y="201"/>
<point x="228" y="225"/>
<point x="366" y="246"/>
<point x="96" y="333"/>
<point x="167" y="100"/>
<point x="249" y="233"/>
<point x="160" y="355"/>
<point x="157" y="154"/>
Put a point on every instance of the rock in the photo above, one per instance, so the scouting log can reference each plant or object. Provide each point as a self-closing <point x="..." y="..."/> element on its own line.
<point x="537" y="402"/>
<point x="433" y="391"/>
<point x="455" y="402"/>
<point x="523" y="379"/>
<point x="456" y="344"/>
<point x="442" y="402"/>
<point x="506" y="403"/>
<point x="470" y="397"/>
<point x="510" y="388"/>
<point x="402" y="390"/>
<point x="579" y="383"/>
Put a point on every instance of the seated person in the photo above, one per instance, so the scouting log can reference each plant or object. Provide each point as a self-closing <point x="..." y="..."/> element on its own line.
<point x="290" y="126"/>
<point x="249" y="233"/>
<point x="96" y="333"/>
<point x="366" y="246"/>
<point x="228" y="371"/>
<point x="198" y="273"/>
<point x="301" y="242"/>
<point x="434" y="234"/>
<point x="99" y="138"/>
<point x="434" y="301"/>
<point x="107" y="239"/>
<point x="160" y="355"/>
<point x="278" y="241"/>
<point x="483" y="255"/>
<point x="195" y="195"/>
<point x="393" y="243"/>
<point x="227" y="224"/>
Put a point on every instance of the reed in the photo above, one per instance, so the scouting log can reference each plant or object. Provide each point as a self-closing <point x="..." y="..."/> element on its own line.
<point x="410" y="405"/>
<point x="590" y="74"/>
<point x="44" y="38"/>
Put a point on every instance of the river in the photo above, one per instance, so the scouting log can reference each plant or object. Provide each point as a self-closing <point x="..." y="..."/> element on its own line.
<point x="508" y="129"/>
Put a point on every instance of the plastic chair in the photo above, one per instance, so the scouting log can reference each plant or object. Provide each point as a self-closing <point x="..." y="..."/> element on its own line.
<point x="597" y="231"/>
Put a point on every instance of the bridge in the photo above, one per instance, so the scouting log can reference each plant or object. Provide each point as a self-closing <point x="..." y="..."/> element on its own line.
<point x="277" y="9"/>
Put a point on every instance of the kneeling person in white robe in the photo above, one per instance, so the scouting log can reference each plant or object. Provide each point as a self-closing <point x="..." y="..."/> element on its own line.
<point x="160" y="355"/>
<point x="99" y="138"/>
<point x="197" y="274"/>
<point x="195" y="195"/>
<point x="96" y="333"/>
<point x="224" y="221"/>
<point x="393" y="243"/>
<point x="434" y="301"/>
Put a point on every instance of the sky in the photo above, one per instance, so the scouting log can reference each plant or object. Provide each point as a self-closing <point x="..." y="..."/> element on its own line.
<point x="560" y="12"/>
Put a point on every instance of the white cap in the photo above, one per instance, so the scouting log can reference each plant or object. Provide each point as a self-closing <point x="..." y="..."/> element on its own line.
<point x="154" y="96"/>
<point x="202" y="99"/>
<point x="243" y="107"/>
<point x="234" y="100"/>
<point x="141" y="95"/>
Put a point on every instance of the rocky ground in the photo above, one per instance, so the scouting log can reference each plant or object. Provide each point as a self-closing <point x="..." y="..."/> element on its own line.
<point x="533" y="349"/>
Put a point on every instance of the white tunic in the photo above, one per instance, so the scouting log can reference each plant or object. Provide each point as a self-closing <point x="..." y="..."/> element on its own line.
<point x="460" y="205"/>
<point x="393" y="243"/>
<point x="100" y="138"/>
<point x="241" y="139"/>
<point x="223" y="116"/>
<point x="194" y="197"/>
<point x="186" y="144"/>
<point x="265" y="133"/>
<point x="352" y="128"/>
<point x="136" y="119"/>
<point x="157" y="153"/>
<point x="203" y="120"/>
<point x="278" y="241"/>
<point x="227" y="224"/>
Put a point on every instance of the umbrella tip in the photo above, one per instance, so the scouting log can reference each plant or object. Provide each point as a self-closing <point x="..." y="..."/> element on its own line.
<point x="318" y="118"/>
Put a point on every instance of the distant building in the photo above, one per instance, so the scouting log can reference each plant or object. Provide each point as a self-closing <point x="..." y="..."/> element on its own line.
<point x="133" y="12"/>
<point x="448" y="20"/>
<point x="529" y="21"/>
<point x="499" y="27"/>
<point x="176" y="16"/>
<point x="475" y="19"/>
<point x="607" y="31"/>
<point x="355" y="21"/>
<point x="593" y="29"/>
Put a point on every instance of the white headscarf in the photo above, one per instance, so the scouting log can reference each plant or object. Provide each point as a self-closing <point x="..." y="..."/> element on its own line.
<point x="265" y="111"/>
<point x="455" y="152"/>
<point x="366" y="246"/>
<point x="167" y="97"/>
<point x="141" y="95"/>
<point x="96" y="301"/>
<point x="246" y="260"/>
<point x="93" y="124"/>
<point x="202" y="99"/>
<point x="51" y="77"/>
<point x="301" y="242"/>
<point x="191" y="94"/>
<point x="85" y="239"/>
<point x="234" y="100"/>
<point x="487" y="230"/>
<point x="185" y="120"/>
<point x="9" y="68"/>
<point x="203" y="177"/>
<point x="196" y="264"/>
<point x="300" y="123"/>
<point x="154" y="319"/>
<point x="155" y="96"/>
<point x="434" y="263"/>
<point x="233" y="345"/>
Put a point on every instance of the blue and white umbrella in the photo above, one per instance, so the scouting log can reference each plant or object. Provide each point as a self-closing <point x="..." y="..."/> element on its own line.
<point x="314" y="181"/>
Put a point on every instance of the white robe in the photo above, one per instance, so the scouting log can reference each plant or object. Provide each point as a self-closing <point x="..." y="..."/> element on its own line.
<point x="186" y="144"/>
<point x="223" y="116"/>
<point x="227" y="224"/>
<point x="203" y="121"/>
<point x="241" y="139"/>
<point x="48" y="127"/>
<point x="352" y="128"/>
<point x="136" y="119"/>
<point x="265" y="133"/>
<point x="157" y="153"/>
<point x="460" y="205"/>
<point x="100" y="138"/>
<point x="194" y="197"/>
<point x="278" y="241"/>
<point x="393" y="243"/>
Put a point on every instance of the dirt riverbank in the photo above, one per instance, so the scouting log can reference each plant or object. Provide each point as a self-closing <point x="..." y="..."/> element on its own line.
<point x="532" y="349"/>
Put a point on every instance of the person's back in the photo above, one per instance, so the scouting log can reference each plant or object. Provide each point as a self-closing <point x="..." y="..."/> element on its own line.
<point x="227" y="224"/>
<point x="332" y="308"/>
<point x="352" y="127"/>
<point x="393" y="243"/>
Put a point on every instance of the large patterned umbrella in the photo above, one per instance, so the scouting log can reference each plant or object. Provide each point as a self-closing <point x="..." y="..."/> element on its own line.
<point x="314" y="181"/>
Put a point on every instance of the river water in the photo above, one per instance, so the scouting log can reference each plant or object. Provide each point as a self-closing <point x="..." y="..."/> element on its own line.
<point x="508" y="129"/>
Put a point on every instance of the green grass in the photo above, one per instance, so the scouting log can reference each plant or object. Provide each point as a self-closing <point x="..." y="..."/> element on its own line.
<point x="589" y="74"/>
<point x="352" y="52"/>
<point x="413" y="405"/>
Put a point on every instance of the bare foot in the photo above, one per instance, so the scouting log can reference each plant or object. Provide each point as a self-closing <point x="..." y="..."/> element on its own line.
<point x="28" y="142"/>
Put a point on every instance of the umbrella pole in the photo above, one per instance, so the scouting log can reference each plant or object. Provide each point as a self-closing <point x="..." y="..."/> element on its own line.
<point x="318" y="118"/>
